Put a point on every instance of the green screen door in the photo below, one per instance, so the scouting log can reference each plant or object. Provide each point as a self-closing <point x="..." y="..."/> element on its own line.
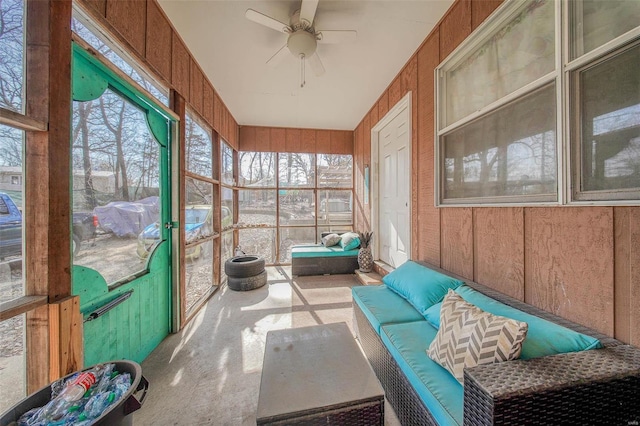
<point x="121" y="142"/>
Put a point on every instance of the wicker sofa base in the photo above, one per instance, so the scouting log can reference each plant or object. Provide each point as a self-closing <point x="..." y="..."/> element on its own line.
<point x="324" y="265"/>
<point x="409" y="408"/>
<point x="595" y="387"/>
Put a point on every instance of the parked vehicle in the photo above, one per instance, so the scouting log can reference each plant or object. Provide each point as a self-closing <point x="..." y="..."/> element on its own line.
<point x="84" y="228"/>
<point x="198" y="225"/>
<point x="10" y="228"/>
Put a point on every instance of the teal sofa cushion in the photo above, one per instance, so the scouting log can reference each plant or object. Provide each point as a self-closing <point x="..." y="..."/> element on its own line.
<point x="321" y="251"/>
<point x="441" y="393"/>
<point x="382" y="306"/>
<point x="433" y="315"/>
<point x="421" y="286"/>
<point x="543" y="338"/>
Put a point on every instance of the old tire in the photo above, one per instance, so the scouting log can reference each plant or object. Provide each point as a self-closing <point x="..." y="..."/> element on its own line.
<point x="247" y="283"/>
<point x="244" y="266"/>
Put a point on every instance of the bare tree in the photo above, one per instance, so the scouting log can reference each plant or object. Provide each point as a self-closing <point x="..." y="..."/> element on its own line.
<point x="11" y="77"/>
<point x="11" y="54"/>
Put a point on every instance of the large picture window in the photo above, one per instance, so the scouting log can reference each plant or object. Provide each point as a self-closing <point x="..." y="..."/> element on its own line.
<point x="502" y="94"/>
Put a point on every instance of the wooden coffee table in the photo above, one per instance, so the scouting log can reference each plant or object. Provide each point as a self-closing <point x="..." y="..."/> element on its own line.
<point x="318" y="375"/>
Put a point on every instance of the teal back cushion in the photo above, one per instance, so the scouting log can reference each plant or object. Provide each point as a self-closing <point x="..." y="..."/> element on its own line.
<point x="421" y="286"/>
<point x="433" y="315"/>
<point x="543" y="338"/>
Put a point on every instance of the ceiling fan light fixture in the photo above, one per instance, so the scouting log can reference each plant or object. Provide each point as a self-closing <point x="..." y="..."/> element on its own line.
<point x="302" y="42"/>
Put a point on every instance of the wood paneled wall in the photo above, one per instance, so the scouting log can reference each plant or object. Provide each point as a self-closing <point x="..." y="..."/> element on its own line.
<point x="143" y="28"/>
<point x="582" y="263"/>
<point x="281" y="139"/>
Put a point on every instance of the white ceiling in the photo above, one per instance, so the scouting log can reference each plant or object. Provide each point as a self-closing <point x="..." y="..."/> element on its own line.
<point x="233" y="51"/>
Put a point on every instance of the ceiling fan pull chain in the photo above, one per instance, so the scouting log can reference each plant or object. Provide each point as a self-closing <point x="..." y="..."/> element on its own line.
<point x="302" y="70"/>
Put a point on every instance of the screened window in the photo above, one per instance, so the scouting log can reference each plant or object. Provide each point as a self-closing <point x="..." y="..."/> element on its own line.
<point x="96" y="39"/>
<point x="296" y="206"/>
<point x="200" y="204"/>
<point x="291" y="236"/>
<point x="596" y="22"/>
<point x="226" y="213"/>
<point x="335" y="207"/>
<point x="313" y="194"/>
<point x="198" y="210"/>
<point x="335" y="171"/>
<point x="296" y="170"/>
<point x="13" y="330"/>
<point x="256" y="207"/>
<point x="257" y="169"/>
<point x="260" y="241"/>
<point x="226" y="156"/>
<point x="198" y="144"/>
<point x="608" y="98"/>
<point x="226" y="252"/>
<point x="11" y="209"/>
<point x="490" y="158"/>
<point x="12" y="35"/>
<point x="516" y="54"/>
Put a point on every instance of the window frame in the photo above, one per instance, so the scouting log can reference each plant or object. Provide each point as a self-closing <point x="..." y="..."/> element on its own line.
<point x="29" y="125"/>
<point x="314" y="188"/>
<point x="568" y="115"/>
<point x="192" y="115"/>
<point x="572" y="116"/>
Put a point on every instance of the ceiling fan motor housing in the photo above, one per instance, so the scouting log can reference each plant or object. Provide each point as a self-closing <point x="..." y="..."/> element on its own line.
<point x="302" y="42"/>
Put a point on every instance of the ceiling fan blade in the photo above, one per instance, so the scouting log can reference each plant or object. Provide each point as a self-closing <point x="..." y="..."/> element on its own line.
<point x="265" y="20"/>
<point x="308" y="10"/>
<point x="337" y="36"/>
<point x="278" y="57"/>
<point x="316" y="64"/>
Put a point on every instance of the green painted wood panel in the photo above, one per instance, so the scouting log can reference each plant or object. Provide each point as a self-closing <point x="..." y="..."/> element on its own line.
<point x="134" y="328"/>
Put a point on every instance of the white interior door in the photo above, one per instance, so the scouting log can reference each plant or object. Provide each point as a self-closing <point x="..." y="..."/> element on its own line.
<point x="394" y="189"/>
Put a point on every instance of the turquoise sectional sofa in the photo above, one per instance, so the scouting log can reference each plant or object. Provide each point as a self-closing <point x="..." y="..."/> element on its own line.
<point x="559" y="364"/>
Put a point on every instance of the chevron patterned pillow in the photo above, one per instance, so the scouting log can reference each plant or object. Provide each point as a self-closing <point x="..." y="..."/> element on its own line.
<point x="469" y="336"/>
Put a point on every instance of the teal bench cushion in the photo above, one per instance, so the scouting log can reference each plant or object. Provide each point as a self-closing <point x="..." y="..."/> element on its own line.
<point x="543" y="338"/>
<point x="382" y="306"/>
<point x="321" y="251"/>
<point x="441" y="393"/>
<point x="421" y="286"/>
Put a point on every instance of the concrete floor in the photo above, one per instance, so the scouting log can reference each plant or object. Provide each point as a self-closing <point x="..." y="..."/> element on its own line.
<point x="209" y="373"/>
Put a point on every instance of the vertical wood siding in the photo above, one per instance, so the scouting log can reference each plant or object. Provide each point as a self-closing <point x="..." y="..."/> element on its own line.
<point x="280" y="139"/>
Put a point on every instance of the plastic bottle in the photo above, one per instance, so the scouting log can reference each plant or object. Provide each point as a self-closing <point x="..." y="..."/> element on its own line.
<point x="97" y="404"/>
<point x="105" y="380"/>
<point x="121" y="385"/>
<point x="76" y="389"/>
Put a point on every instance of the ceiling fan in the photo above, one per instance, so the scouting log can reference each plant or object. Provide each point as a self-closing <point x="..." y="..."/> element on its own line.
<point x="303" y="38"/>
